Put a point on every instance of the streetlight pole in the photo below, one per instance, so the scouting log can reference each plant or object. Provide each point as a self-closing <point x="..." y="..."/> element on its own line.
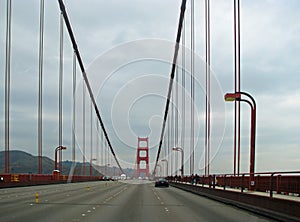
<point x="237" y="97"/>
<point x="182" y="159"/>
<point x="159" y="174"/>
<point x="56" y="150"/>
<point x="167" y="167"/>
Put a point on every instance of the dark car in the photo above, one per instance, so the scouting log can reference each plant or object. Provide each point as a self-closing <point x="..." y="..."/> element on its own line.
<point x="161" y="182"/>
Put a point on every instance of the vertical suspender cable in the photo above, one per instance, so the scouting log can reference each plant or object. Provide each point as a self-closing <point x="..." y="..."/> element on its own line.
<point x="183" y="91"/>
<point x="105" y="162"/>
<point x="207" y="70"/>
<point x="176" y="121"/>
<point x="74" y="109"/>
<point x="40" y="96"/>
<point x="7" y="84"/>
<point x="239" y="84"/>
<point x="73" y="139"/>
<point x="206" y="93"/>
<point x="235" y="89"/>
<point x="75" y="47"/>
<point x="178" y="36"/>
<point x="60" y="88"/>
<point x="107" y="156"/>
<point x="169" y="146"/>
<point x="165" y="148"/>
<point x="208" y="85"/>
<point x="97" y="144"/>
<point x="237" y="113"/>
<point x="192" y="145"/>
<point x="102" y="149"/>
<point x="166" y="155"/>
<point x="91" y="131"/>
<point x="172" y="132"/>
<point x="83" y="128"/>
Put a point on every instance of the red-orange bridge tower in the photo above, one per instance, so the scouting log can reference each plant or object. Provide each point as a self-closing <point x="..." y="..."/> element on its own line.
<point x="142" y="157"/>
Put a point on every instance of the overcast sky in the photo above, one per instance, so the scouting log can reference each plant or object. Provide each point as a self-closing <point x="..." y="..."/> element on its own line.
<point x="127" y="48"/>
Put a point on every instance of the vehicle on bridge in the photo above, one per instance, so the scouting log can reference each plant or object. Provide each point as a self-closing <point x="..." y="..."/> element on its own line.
<point x="161" y="182"/>
<point x="123" y="176"/>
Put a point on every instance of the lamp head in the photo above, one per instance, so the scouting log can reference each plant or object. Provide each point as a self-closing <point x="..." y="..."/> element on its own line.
<point x="229" y="97"/>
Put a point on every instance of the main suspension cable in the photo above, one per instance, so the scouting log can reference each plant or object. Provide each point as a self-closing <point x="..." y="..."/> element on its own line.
<point x="181" y="18"/>
<point x="75" y="47"/>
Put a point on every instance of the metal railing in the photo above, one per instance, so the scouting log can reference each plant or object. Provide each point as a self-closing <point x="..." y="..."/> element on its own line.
<point x="287" y="182"/>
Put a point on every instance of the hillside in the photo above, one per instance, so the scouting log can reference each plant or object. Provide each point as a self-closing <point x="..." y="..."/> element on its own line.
<point x="22" y="162"/>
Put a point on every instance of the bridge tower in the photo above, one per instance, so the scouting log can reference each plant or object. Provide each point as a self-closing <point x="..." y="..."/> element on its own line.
<point x="142" y="157"/>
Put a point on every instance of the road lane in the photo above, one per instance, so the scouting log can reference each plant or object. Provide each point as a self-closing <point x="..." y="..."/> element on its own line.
<point x="185" y="206"/>
<point x="137" y="204"/>
<point x="144" y="202"/>
<point x="113" y="201"/>
<point x="64" y="202"/>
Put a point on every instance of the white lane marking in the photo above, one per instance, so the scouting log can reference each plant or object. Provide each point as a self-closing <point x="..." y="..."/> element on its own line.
<point x="83" y="215"/>
<point x="114" y="195"/>
<point x="162" y="203"/>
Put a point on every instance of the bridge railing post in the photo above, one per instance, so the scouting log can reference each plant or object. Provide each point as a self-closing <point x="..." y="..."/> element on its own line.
<point x="243" y="177"/>
<point x="271" y="185"/>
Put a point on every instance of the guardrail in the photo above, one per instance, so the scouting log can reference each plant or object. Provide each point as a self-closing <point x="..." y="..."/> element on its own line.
<point x="14" y="180"/>
<point x="275" y="208"/>
<point x="279" y="182"/>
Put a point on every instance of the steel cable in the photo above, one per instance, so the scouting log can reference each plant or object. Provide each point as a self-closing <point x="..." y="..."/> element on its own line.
<point x="74" y="109"/>
<point x="207" y="103"/>
<point x="60" y="88"/>
<point x="40" y="93"/>
<point x="75" y="47"/>
<point x="7" y="85"/>
<point x="178" y="36"/>
<point x="192" y="139"/>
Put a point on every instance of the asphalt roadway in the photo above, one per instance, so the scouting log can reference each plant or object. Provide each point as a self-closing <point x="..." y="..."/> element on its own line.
<point x="132" y="201"/>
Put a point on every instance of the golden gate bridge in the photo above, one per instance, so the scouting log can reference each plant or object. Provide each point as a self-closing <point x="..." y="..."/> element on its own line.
<point x="169" y="161"/>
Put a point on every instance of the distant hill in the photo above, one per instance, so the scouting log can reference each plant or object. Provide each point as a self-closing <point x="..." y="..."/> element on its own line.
<point x="22" y="162"/>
